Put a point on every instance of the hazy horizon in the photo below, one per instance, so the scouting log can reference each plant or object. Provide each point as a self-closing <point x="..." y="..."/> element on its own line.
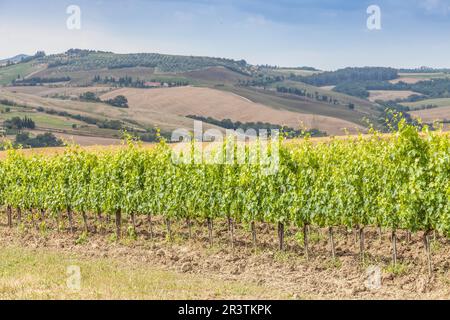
<point x="326" y="34"/>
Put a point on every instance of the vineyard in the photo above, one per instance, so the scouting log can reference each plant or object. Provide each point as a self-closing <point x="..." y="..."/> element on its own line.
<point x="396" y="182"/>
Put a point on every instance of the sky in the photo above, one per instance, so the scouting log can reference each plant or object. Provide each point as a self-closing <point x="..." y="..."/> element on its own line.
<point x="327" y="34"/>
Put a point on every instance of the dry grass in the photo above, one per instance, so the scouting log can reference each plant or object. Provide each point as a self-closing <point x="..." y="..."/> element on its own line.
<point x="409" y="80"/>
<point x="387" y="95"/>
<point x="431" y="115"/>
<point x="438" y="102"/>
<point x="33" y="264"/>
<point x="412" y="78"/>
<point x="42" y="274"/>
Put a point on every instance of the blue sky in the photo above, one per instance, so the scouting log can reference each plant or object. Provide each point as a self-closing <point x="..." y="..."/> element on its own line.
<point x="328" y="34"/>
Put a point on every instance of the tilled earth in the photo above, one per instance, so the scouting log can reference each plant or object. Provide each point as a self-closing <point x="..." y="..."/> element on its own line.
<point x="288" y="271"/>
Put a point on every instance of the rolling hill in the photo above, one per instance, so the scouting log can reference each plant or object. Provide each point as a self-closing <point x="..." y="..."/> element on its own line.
<point x="76" y="60"/>
<point x="186" y="86"/>
<point x="19" y="70"/>
<point x="15" y="59"/>
<point x="139" y="119"/>
<point x="221" y="105"/>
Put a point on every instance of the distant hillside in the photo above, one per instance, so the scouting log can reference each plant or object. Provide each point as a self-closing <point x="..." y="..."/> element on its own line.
<point x="350" y="74"/>
<point x="161" y="92"/>
<point x="18" y="71"/>
<point x="77" y="60"/>
<point x="14" y="59"/>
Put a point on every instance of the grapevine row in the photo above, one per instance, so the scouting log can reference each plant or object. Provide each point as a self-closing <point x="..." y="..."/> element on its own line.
<point x="396" y="182"/>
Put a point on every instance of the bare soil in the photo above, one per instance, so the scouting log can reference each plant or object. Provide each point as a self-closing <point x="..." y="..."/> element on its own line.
<point x="287" y="272"/>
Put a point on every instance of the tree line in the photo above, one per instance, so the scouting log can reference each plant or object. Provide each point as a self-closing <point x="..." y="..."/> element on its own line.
<point x="119" y="101"/>
<point x="426" y="89"/>
<point x="34" y="81"/>
<point x="137" y="83"/>
<point x="305" y="93"/>
<point x="18" y="123"/>
<point x="348" y="75"/>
